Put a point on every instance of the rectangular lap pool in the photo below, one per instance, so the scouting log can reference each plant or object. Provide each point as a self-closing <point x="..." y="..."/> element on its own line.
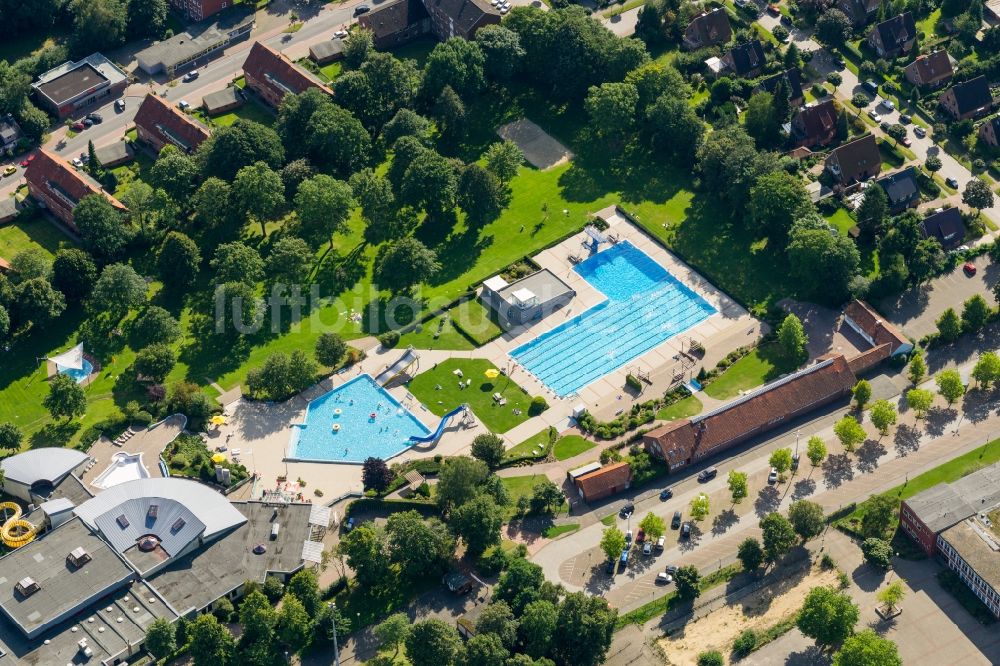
<point x="646" y="305"/>
<point x="353" y="422"/>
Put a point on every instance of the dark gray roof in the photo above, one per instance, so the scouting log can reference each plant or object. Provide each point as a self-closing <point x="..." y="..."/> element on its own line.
<point x="114" y="153"/>
<point x="327" y="49"/>
<point x="979" y="546"/>
<point x="168" y="520"/>
<point x="63" y="588"/>
<point x="945" y="226"/>
<point x="901" y="187"/>
<point x="197" y="38"/>
<point x="8" y="208"/>
<point x="972" y="94"/>
<point x="45" y="464"/>
<point x="898" y="30"/>
<point x="464" y="13"/>
<point x="946" y="504"/>
<point x="747" y="57"/>
<point x="201" y="577"/>
<point x="221" y="99"/>
<point x="794" y="79"/>
<point x="544" y="284"/>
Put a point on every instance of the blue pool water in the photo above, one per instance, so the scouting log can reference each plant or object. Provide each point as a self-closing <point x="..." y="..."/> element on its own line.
<point x="78" y="374"/>
<point x="360" y="435"/>
<point x="646" y="305"/>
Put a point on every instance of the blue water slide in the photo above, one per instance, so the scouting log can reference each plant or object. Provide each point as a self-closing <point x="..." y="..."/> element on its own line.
<point x="434" y="436"/>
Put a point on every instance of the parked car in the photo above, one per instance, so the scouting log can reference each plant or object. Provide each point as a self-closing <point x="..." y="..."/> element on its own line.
<point x="871" y="86"/>
<point x="28" y="160"/>
<point x="885" y="125"/>
<point x="969" y="268"/>
<point x="671" y="569"/>
<point x="647" y="548"/>
<point x="183" y="105"/>
<point x="77" y="162"/>
<point x="907" y="141"/>
<point x="641" y="536"/>
<point x="663" y="578"/>
<point x="773" y="10"/>
<point x="666" y="494"/>
<point x="87" y="122"/>
<point x="676" y="521"/>
<point x="340" y="34"/>
<point x="192" y="75"/>
<point x="905" y="119"/>
<point x="686" y="530"/>
<point x="361" y="9"/>
<point x="119" y="105"/>
<point x="786" y="21"/>
<point x="839" y="62"/>
<point x="795" y="461"/>
<point x="919" y="131"/>
<point x="628" y="537"/>
<point x="78" y="126"/>
<point x="623" y="559"/>
<point x="773" y="476"/>
<point x="873" y="114"/>
<point x="9" y="170"/>
<point x="659" y="544"/>
<point x="611" y="568"/>
<point x="887" y="103"/>
<point x="952" y="183"/>
<point x="95" y="118"/>
<point x="707" y="474"/>
<point x="627" y="510"/>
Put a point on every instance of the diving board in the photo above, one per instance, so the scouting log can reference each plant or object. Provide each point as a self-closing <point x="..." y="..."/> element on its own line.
<point x="436" y="435"/>
<point x="391" y="372"/>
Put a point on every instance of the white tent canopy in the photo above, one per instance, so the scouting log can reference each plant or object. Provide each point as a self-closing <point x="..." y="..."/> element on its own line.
<point x="73" y="359"/>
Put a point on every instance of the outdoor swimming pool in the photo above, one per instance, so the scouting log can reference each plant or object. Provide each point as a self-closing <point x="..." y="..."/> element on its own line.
<point x="124" y="467"/>
<point x="646" y="305"/>
<point x="78" y="374"/>
<point x="353" y="422"/>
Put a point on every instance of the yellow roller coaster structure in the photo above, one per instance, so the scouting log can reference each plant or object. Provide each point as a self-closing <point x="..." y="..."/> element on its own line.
<point x="15" y="532"/>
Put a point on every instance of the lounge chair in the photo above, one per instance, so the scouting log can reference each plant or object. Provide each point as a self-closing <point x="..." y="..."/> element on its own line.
<point x="502" y="402"/>
<point x="574" y="259"/>
<point x="497" y="397"/>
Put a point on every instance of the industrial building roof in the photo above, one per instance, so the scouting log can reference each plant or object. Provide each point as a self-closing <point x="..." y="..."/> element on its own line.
<point x="946" y="504"/>
<point x="979" y="546"/>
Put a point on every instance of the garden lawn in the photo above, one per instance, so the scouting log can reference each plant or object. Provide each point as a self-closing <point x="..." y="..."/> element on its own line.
<point x="250" y="110"/>
<point x="571" y="445"/>
<point x="417" y="50"/>
<point x="331" y="72"/>
<point x="759" y="366"/>
<point x="841" y="221"/>
<point x="479" y="395"/>
<point x="557" y="531"/>
<point x="436" y="333"/>
<point x="523" y="486"/>
<point x="537" y="442"/>
<point x="682" y="409"/>
<point x="29" y="233"/>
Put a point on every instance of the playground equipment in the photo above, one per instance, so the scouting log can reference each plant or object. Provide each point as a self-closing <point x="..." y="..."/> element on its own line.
<point x="392" y="372"/>
<point x="15" y="532"/>
<point x="436" y="435"/>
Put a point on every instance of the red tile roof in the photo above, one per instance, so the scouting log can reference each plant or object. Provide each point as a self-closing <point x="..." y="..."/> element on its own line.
<point x="47" y="167"/>
<point x="266" y="64"/>
<point x="169" y="123"/>
<point x="933" y="67"/>
<point x="4" y="265"/>
<point x="875" y="326"/>
<point x="604" y="481"/>
<point x="754" y="413"/>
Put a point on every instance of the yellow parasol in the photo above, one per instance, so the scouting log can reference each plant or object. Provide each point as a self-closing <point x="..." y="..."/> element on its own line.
<point x="492" y="373"/>
<point x="219" y="457"/>
<point x="218" y="420"/>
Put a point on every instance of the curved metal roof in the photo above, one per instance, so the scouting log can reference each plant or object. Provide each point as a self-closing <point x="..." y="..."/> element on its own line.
<point x="207" y="506"/>
<point x="46" y="464"/>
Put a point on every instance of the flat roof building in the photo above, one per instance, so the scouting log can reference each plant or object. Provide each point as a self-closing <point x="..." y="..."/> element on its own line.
<point x="66" y="89"/>
<point x="197" y="45"/>
<point x="530" y="298"/>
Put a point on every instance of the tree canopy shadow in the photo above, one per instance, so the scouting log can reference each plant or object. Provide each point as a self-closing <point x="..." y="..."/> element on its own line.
<point x="906" y="440"/>
<point x="868" y="454"/>
<point x="938" y="418"/>
<point x="803" y="488"/>
<point x="977" y="404"/>
<point x="724" y="521"/>
<point x="768" y="500"/>
<point x="837" y="469"/>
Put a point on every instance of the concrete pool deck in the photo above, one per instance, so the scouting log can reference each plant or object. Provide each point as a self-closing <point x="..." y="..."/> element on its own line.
<point x="262" y="431"/>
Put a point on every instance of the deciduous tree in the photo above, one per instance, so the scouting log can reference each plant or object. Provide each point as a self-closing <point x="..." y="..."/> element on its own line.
<point x="879" y="516"/>
<point x="392" y="631"/>
<point x="35" y="301"/>
<point x="653" y="526"/>
<point x="584" y="630"/>
<point x="738" y="485"/>
<point x="102" y="228"/>
<point x="375" y="474"/>
<point x="433" y="643"/>
<point x="420" y="546"/>
<point x="240" y="145"/>
<point x="178" y="261"/>
<point x="849" y="432"/>
<point x="975" y="313"/>
<point x="781" y="460"/>
<point x="867" y="648"/>
<point x="367" y="555"/>
<point x="503" y="159"/>
<point x="73" y="273"/>
<point x="160" y="638"/>
<point x="404" y="263"/>
<point x="792" y="339"/>
<point x="700" y="507"/>
<point x="237" y="262"/>
<point x="478" y="523"/>
<point x="978" y="195"/>
<point x="612" y="542"/>
<point x="920" y="400"/>
<point x="66" y="398"/>
<point x="918" y="368"/>
<point x="950" y="385"/>
<point x="778" y="536"/>
<point x="815" y="450"/>
<point x="155" y="361"/>
<point x="687" y="580"/>
<point x="877" y="551"/>
<point x="322" y="205"/>
<point x="258" y="192"/>
<point x="827" y="616"/>
<point x="290" y="261"/>
<point x="10" y="437"/>
<point x="330" y="349"/>
<point x="883" y="416"/>
<point x="537" y="627"/>
<point x="862" y="393"/>
<point x="750" y="554"/>
<point x="118" y="290"/>
<point x="807" y="519"/>
<point x="949" y="326"/>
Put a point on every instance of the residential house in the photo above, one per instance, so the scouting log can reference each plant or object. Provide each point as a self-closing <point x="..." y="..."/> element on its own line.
<point x="855" y="161"/>
<point x="271" y="75"/>
<point x="10" y="133"/>
<point x="859" y="11"/>
<point x="967" y="99"/>
<point x="59" y="187"/>
<point x="687" y="441"/>
<point x="397" y="22"/>
<point x="745" y="60"/>
<point x="930" y="71"/>
<point x="460" y="18"/>
<point x="601" y="483"/>
<point x="894" y="37"/>
<point x="158" y="123"/>
<point x="794" y="80"/>
<point x="902" y="189"/>
<point x="953" y="521"/>
<point x="815" y="124"/>
<point x="989" y="131"/>
<point x="945" y="227"/>
<point x="708" y="29"/>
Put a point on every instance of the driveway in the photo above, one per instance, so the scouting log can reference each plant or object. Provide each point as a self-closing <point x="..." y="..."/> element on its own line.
<point x="917" y="309"/>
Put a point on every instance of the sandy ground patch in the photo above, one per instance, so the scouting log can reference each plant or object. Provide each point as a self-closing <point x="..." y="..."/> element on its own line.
<point x="540" y="149"/>
<point x="758" y="611"/>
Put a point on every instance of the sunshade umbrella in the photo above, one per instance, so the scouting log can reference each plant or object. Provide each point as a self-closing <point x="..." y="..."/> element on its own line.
<point x="218" y="420"/>
<point x="492" y="373"/>
<point x="218" y="457"/>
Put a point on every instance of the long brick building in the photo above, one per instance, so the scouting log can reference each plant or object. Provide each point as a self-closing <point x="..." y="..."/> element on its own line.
<point x="159" y="124"/>
<point x="272" y="76"/>
<point x="57" y="186"/>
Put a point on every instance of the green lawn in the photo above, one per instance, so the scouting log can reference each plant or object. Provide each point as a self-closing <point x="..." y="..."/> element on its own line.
<point x="34" y="232"/>
<point x="436" y="333"/>
<point x="126" y="173"/>
<point x="417" y="50"/>
<point x="682" y="409"/>
<point x="891" y="157"/>
<point x="537" y="442"/>
<point x="250" y="110"/>
<point x="557" y="531"/>
<point x="759" y="366"/>
<point x="479" y="396"/>
<point x="571" y="445"/>
<point x="15" y="47"/>
<point x="522" y="486"/>
<point x="330" y="72"/>
<point x="929" y="25"/>
<point x="842" y="221"/>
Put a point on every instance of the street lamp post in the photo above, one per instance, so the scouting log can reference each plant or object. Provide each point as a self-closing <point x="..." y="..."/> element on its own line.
<point x="798" y="433"/>
<point x="333" y="621"/>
